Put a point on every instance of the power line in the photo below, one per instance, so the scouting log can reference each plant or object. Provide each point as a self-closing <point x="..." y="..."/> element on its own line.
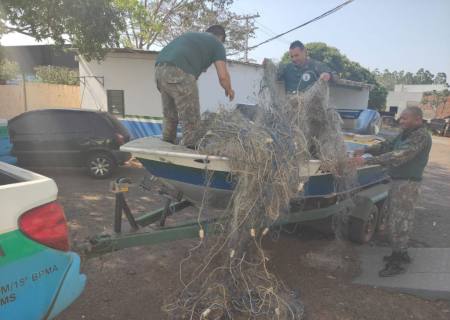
<point x="269" y="32"/>
<point x="323" y="15"/>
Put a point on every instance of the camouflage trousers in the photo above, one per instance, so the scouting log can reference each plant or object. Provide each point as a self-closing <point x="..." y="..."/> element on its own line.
<point x="403" y="196"/>
<point x="180" y="101"/>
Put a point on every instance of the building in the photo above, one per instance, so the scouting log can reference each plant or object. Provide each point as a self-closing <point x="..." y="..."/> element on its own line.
<point x="123" y="84"/>
<point x="409" y="95"/>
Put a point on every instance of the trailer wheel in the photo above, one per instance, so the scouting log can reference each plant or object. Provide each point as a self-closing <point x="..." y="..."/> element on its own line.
<point x="361" y="231"/>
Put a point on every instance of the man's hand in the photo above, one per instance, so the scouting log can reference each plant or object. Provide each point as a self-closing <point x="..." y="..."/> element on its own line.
<point x="230" y="94"/>
<point x="325" y="76"/>
<point x="224" y="78"/>
<point x="356" y="162"/>
<point x="358" y="152"/>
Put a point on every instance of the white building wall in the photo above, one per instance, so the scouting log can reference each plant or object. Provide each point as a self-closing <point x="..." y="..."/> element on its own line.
<point x="349" y="98"/>
<point x="409" y="95"/>
<point x="402" y="100"/>
<point x="133" y="72"/>
<point x="245" y="80"/>
<point x="419" y="88"/>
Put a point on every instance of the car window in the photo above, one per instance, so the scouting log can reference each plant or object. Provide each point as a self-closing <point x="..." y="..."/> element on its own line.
<point x="101" y="125"/>
<point x="117" y="124"/>
<point x="31" y="123"/>
<point x="70" y="122"/>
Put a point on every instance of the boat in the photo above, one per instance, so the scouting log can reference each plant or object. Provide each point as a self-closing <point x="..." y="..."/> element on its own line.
<point x="191" y="173"/>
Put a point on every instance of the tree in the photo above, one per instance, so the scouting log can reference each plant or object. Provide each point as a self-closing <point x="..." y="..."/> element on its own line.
<point x="8" y="70"/>
<point x="389" y="79"/>
<point x="89" y="25"/>
<point x="57" y="75"/>
<point x="346" y="69"/>
<point x="440" y="78"/>
<point x="156" y="22"/>
<point x="423" y="77"/>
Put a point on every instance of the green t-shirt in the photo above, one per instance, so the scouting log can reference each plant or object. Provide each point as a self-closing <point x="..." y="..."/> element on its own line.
<point x="301" y="77"/>
<point x="193" y="52"/>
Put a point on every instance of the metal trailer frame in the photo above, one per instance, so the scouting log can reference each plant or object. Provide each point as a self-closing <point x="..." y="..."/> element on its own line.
<point x="302" y="210"/>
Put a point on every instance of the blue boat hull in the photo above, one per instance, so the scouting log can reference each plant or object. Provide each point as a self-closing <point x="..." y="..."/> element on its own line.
<point x="192" y="182"/>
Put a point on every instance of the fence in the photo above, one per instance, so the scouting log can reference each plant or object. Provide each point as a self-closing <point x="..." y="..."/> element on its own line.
<point x="14" y="101"/>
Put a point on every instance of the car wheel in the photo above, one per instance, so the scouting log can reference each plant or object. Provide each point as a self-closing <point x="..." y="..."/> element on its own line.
<point x="361" y="231"/>
<point x="100" y="165"/>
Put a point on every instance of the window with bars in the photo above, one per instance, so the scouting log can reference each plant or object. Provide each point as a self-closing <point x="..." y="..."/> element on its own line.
<point x="116" y="102"/>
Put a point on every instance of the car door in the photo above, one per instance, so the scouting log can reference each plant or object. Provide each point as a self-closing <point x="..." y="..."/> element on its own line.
<point x="70" y="131"/>
<point x="30" y="137"/>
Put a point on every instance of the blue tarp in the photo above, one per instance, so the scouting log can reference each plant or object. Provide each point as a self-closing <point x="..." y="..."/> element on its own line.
<point x="5" y="151"/>
<point x="5" y="145"/>
<point x="142" y="127"/>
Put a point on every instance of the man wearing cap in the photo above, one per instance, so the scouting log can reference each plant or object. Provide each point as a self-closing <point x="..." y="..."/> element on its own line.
<point x="178" y="67"/>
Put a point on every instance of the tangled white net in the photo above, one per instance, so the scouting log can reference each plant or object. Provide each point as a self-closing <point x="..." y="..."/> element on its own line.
<point x="269" y="152"/>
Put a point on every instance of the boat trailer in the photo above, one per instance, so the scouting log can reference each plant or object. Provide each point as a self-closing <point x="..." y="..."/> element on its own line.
<point x="361" y="205"/>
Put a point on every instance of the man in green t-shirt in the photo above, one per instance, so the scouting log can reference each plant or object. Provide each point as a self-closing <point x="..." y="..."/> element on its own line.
<point x="177" y="69"/>
<point x="302" y="72"/>
<point x="405" y="157"/>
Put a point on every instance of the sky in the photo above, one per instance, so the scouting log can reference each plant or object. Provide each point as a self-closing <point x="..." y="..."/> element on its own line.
<point x="384" y="34"/>
<point x="393" y="34"/>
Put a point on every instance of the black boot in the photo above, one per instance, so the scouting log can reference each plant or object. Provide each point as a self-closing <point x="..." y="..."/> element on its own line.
<point x="392" y="268"/>
<point x="402" y="256"/>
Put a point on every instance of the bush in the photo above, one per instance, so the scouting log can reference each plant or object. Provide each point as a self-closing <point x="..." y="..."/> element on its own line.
<point x="8" y="70"/>
<point x="57" y="75"/>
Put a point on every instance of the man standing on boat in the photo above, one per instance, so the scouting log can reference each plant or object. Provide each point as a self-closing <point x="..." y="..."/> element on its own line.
<point x="302" y="72"/>
<point x="405" y="157"/>
<point x="178" y="67"/>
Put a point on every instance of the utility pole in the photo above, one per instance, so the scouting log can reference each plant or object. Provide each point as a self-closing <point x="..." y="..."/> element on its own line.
<point x="24" y="91"/>
<point x="247" y="27"/>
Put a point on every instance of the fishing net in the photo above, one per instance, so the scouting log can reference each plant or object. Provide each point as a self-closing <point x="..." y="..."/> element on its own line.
<point x="269" y="151"/>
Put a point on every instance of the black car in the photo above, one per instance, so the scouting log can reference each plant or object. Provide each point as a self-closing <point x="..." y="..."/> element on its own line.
<point x="440" y="127"/>
<point x="69" y="137"/>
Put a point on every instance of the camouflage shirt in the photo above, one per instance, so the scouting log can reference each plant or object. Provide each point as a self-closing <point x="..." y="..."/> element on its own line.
<point x="406" y="155"/>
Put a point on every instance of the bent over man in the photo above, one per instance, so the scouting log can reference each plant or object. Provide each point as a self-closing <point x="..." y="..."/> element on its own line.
<point x="178" y="67"/>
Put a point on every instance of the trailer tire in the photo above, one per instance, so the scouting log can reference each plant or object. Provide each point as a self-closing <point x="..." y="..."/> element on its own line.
<point x="361" y="231"/>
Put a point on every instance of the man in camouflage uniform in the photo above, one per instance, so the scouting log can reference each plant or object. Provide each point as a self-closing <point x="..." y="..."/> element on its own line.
<point x="406" y="157"/>
<point x="178" y="67"/>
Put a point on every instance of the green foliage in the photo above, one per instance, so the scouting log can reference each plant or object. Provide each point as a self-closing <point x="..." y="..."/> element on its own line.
<point x="57" y="75"/>
<point x="89" y="25"/>
<point x="440" y="78"/>
<point x="389" y="79"/>
<point x="155" y="22"/>
<point x="346" y="69"/>
<point x="8" y="69"/>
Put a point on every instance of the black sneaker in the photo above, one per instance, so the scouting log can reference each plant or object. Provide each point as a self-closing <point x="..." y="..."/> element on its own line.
<point x="392" y="269"/>
<point x="402" y="257"/>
